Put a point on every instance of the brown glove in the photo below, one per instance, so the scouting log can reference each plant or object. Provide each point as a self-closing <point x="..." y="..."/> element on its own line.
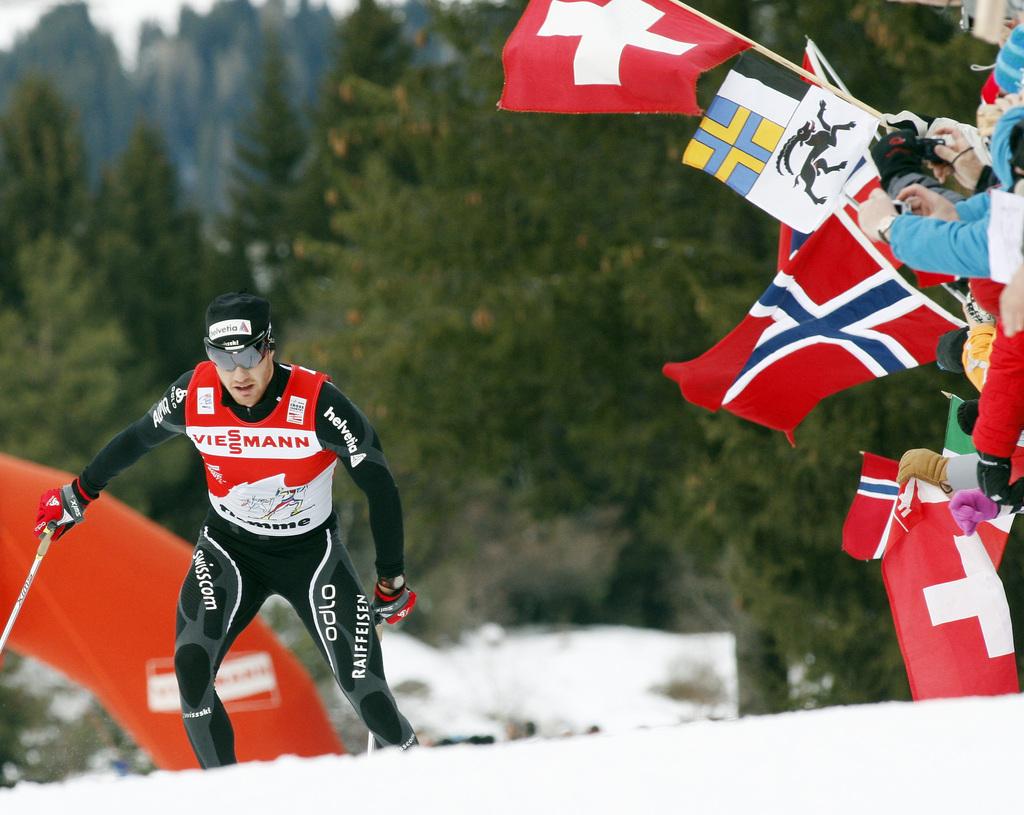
<point x="923" y="465"/>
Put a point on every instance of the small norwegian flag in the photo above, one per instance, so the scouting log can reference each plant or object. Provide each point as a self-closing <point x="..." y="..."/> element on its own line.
<point x="867" y="523"/>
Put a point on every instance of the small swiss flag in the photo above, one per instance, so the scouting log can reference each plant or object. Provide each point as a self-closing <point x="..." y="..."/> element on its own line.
<point x="611" y="56"/>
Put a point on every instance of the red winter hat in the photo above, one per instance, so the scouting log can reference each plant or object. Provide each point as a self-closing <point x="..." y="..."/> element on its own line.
<point x="990" y="90"/>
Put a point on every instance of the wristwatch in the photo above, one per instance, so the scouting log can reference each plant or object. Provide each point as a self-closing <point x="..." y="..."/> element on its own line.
<point x="392" y="584"/>
<point x="884" y="226"/>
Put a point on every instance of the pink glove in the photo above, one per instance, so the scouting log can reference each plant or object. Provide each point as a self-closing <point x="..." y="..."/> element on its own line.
<point x="970" y="507"/>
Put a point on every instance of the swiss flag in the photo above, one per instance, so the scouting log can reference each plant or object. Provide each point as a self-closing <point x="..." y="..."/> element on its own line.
<point x="611" y="56"/>
<point x="949" y="606"/>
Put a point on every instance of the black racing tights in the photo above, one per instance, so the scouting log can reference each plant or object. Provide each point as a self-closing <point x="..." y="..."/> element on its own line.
<point x="226" y="584"/>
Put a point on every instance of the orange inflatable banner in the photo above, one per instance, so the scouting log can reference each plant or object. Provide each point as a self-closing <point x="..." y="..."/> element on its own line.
<point x="101" y="611"/>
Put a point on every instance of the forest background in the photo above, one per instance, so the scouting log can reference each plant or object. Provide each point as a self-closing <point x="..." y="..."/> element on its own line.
<point x="497" y="292"/>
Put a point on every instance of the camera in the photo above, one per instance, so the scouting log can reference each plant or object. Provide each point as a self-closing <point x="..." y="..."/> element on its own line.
<point x="908" y="143"/>
<point x="925" y="148"/>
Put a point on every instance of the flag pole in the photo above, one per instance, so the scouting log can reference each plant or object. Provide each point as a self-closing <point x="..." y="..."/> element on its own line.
<point x="822" y="65"/>
<point x="781" y="60"/>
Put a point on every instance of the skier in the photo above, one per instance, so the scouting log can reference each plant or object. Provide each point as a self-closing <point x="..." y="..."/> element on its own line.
<point x="270" y="436"/>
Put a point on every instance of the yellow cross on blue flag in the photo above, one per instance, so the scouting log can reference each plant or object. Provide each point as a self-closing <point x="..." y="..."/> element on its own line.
<point x="783" y="144"/>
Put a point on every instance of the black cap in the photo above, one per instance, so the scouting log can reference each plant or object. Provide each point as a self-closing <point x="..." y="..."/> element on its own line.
<point x="949" y="352"/>
<point x="237" y="319"/>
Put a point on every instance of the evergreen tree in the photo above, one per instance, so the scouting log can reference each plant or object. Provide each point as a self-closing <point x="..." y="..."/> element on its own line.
<point x="60" y="359"/>
<point x="489" y="250"/>
<point x="268" y="152"/>
<point x="196" y="85"/>
<point x="359" y="115"/>
<point x="158" y="275"/>
<point x="148" y="251"/>
<point x="43" y="188"/>
<point x="512" y="284"/>
<point x="83" y="65"/>
<point x="372" y="45"/>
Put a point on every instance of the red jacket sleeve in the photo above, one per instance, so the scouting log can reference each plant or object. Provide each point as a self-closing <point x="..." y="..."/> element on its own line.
<point x="1001" y="409"/>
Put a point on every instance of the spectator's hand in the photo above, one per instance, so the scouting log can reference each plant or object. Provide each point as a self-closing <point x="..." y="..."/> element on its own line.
<point x="1008" y="26"/>
<point x="1009" y="100"/>
<point x="970" y="507"/>
<point x="942" y="172"/>
<point x="924" y="465"/>
<point x="964" y="163"/>
<point x="923" y="201"/>
<point x="989" y="115"/>
<point x="986" y="118"/>
<point x="1011" y="304"/>
<point x="994" y="480"/>
<point x="872" y="212"/>
<point x="392" y="600"/>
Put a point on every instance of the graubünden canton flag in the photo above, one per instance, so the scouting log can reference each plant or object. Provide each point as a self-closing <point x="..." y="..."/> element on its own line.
<point x="611" y="56"/>
<point x="783" y="144"/>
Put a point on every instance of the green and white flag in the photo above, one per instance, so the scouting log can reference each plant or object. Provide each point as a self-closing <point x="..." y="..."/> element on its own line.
<point x="957" y="442"/>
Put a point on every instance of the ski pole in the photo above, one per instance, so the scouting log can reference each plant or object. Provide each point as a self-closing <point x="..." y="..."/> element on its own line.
<point x="44" y="544"/>
<point x="371" y="743"/>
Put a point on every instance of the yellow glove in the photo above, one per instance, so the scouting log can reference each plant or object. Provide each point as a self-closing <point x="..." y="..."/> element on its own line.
<point x="923" y="465"/>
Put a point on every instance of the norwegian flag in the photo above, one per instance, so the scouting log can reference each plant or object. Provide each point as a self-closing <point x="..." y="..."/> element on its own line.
<point x="866" y="528"/>
<point x="862" y="182"/>
<point x="611" y="56"/>
<point x="948" y="604"/>
<point x="812" y="334"/>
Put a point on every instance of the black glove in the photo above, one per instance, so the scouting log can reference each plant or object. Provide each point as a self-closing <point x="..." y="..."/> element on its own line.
<point x="967" y="415"/>
<point x="896" y="154"/>
<point x="994" y="480"/>
<point x="60" y="509"/>
<point x="392" y="600"/>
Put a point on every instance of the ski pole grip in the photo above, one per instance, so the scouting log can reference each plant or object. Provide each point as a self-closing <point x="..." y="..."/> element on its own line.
<point x="44" y="539"/>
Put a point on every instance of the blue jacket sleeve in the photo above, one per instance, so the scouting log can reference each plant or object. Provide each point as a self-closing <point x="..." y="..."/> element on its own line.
<point x="958" y="248"/>
<point x="974" y="208"/>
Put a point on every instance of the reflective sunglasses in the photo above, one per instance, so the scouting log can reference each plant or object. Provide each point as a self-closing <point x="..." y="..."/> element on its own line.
<point x="248" y="357"/>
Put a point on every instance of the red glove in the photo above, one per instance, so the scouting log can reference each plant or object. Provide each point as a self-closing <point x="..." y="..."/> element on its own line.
<point x="392" y="600"/>
<point x="970" y="507"/>
<point x="60" y="509"/>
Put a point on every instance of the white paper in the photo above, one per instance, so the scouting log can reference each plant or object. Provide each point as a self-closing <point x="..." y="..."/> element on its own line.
<point x="1005" y="235"/>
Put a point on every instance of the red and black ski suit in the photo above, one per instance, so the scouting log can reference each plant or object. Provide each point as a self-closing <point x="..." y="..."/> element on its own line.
<point x="271" y="529"/>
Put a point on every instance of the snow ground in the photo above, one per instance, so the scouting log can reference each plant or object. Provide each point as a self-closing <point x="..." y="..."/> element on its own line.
<point x="613" y="678"/>
<point x="939" y="757"/>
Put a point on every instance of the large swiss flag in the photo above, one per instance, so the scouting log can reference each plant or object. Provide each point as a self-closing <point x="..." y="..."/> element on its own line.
<point x="611" y="56"/>
<point x="949" y="606"/>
